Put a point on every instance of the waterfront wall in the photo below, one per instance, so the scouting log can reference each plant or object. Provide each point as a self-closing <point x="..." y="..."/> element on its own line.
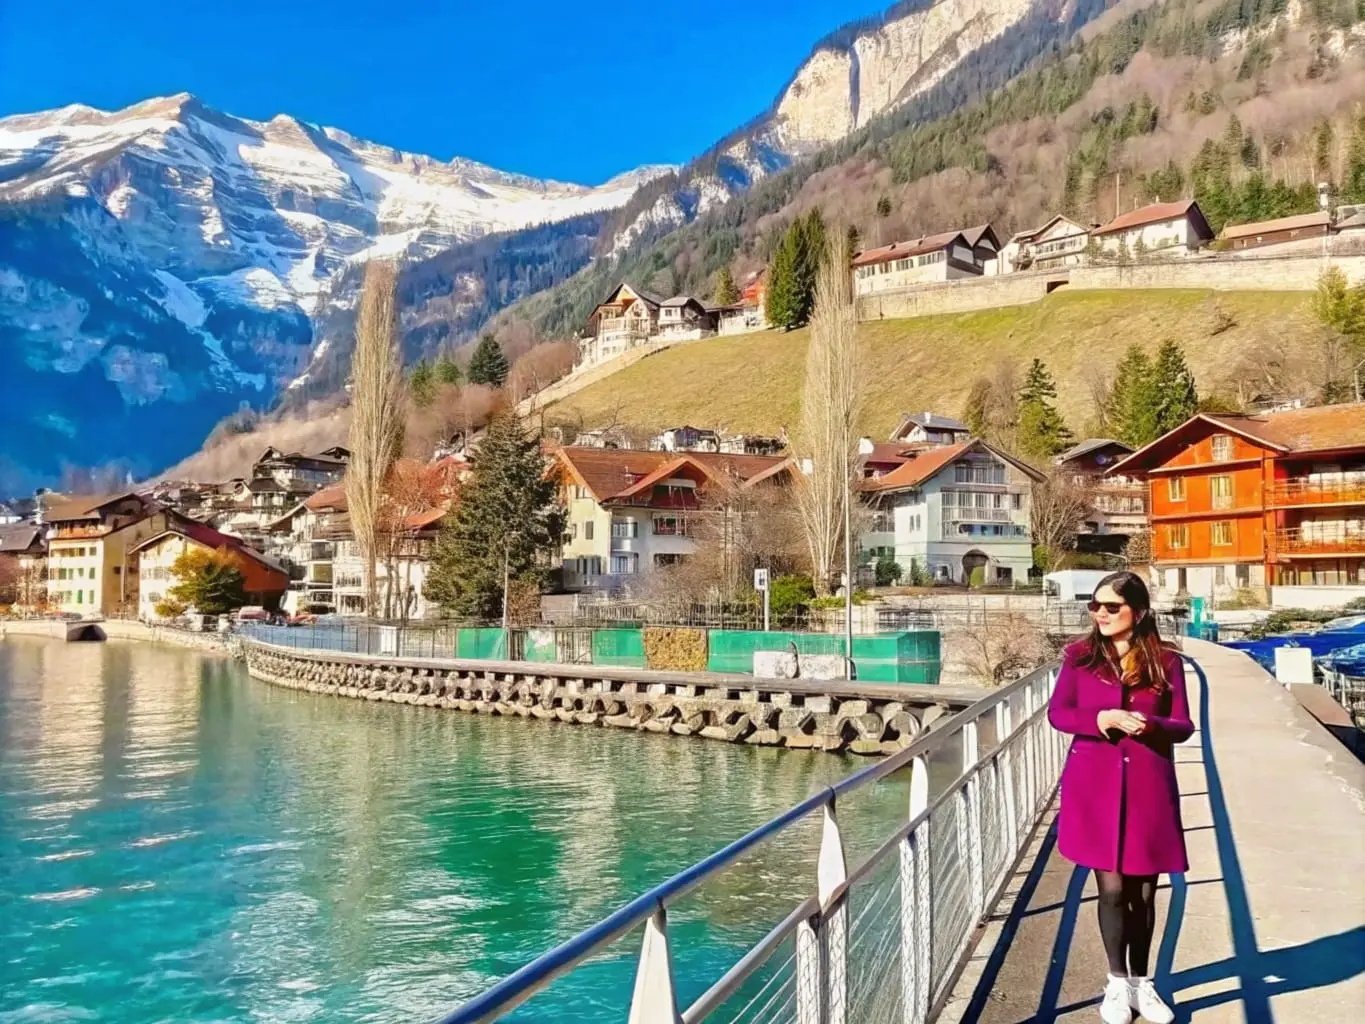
<point x="860" y="718"/>
<point x="117" y="629"/>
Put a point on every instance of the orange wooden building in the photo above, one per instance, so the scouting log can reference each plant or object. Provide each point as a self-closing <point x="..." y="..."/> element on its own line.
<point x="1273" y="501"/>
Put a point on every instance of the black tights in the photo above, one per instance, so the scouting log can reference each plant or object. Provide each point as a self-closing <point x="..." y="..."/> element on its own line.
<point x="1127" y="920"/>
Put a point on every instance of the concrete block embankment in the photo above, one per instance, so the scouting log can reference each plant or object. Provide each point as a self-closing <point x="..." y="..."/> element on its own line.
<point x="860" y="718"/>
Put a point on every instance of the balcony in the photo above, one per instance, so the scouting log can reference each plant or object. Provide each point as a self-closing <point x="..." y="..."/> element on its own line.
<point x="1294" y="543"/>
<point x="319" y="573"/>
<point x="623" y="327"/>
<point x="957" y="514"/>
<point x="1318" y="492"/>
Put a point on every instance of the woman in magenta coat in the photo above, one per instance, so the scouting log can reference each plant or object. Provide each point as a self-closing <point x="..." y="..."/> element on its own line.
<point x="1121" y="695"/>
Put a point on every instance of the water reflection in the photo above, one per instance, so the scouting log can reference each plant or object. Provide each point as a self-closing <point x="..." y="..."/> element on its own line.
<point x="178" y="841"/>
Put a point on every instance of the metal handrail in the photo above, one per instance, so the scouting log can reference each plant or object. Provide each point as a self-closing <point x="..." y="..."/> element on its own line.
<point x="650" y="908"/>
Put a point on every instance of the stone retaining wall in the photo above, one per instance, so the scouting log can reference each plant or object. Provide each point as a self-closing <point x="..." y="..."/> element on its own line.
<point x="799" y="714"/>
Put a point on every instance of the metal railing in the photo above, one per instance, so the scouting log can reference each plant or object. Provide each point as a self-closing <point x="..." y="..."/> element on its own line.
<point x="1320" y="543"/>
<point x="1313" y="492"/>
<point x="881" y="942"/>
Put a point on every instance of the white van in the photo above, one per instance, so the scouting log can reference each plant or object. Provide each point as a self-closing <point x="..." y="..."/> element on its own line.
<point x="1072" y="585"/>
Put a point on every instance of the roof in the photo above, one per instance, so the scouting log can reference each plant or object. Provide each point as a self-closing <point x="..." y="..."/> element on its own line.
<point x="1029" y="234"/>
<point x="929" y="462"/>
<point x="681" y="300"/>
<point x="1089" y="445"/>
<point x="206" y="535"/>
<point x="1155" y="213"/>
<point x="1265" y="227"/>
<point x="19" y="537"/>
<point x="1351" y="217"/>
<point x="889" y="451"/>
<point x="900" y="250"/>
<point x="1322" y="428"/>
<point x="87" y="507"/>
<point x="610" y="473"/>
<point x="974" y="236"/>
<point x="930" y="421"/>
<point x="329" y="499"/>
<point x="644" y="296"/>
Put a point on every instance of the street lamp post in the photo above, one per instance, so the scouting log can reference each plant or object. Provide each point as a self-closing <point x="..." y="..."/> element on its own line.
<point x="850" y="671"/>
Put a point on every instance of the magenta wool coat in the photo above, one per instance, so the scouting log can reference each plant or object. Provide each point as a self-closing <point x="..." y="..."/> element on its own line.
<point x="1120" y="808"/>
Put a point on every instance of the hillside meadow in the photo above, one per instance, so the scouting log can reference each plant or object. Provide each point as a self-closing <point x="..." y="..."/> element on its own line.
<point x="752" y="383"/>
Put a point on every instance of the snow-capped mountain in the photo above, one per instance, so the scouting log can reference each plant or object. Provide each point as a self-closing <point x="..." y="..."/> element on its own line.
<point x="163" y="263"/>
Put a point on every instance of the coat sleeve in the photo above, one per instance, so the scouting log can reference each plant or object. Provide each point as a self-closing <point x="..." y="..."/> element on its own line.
<point x="1177" y="726"/>
<point x="1062" y="710"/>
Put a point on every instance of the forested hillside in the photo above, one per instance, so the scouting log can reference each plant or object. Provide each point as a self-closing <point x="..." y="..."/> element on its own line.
<point x="1245" y="104"/>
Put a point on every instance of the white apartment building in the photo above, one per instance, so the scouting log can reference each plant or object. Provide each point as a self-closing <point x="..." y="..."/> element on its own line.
<point x="952" y="510"/>
<point x="934" y="258"/>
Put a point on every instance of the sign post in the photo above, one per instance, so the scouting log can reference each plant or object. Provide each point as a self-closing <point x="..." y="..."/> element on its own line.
<point x="761" y="585"/>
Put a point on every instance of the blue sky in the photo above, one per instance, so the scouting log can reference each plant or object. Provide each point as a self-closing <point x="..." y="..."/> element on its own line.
<point x="577" y="91"/>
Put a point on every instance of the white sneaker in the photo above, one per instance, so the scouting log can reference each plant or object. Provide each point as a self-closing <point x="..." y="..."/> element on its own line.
<point x="1144" y="999"/>
<point x="1117" y="1007"/>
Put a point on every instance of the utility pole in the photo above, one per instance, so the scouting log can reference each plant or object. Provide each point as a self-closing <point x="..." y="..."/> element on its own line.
<point x="850" y="671"/>
<point x="1118" y="186"/>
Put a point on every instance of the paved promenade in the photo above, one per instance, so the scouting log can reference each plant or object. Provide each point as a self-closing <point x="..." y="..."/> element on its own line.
<point x="1269" y="922"/>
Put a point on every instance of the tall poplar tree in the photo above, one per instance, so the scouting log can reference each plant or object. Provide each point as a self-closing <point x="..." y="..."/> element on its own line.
<point x="506" y="521"/>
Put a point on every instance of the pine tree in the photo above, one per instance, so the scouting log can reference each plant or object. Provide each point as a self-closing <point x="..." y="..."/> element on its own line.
<point x="726" y="293"/>
<point x="422" y="384"/>
<point x="1132" y="400"/>
<point x="1042" y="431"/>
<point x="505" y="523"/>
<point x="447" y="371"/>
<point x="781" y="295"/>
<point x="488" y="365"/>
<point x="1175" y="395"/>
<point x="1353" y="188"/>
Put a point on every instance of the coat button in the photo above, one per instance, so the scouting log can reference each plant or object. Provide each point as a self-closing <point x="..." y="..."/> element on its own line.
<point x="1125" y="760"/>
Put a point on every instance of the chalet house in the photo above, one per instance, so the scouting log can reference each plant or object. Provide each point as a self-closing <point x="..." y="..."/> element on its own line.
<point x="264" y="580"/>
<point x="750" y="313"/>
<point x="91" y="568"/>
<point x="1273" y="501"/>
<point x="751" y="444"/>
<point x="682" y="318"/>
<point x="633" y="512"/>
<point x="1349" y="229"/>
<point x="1059" y="243"/>
<point x="604" y="437"/>
<point x="952" y="510"/>
<point x="985" y="245"/>
<point x="1166" y="229"/>
<point x="23" y="565"/>
<point x="929" y="428"/>
<point x="296" y="472"/>
<point x="1118" y="503"/>
<point x="944" y="257"/>
<point x="628" y="317"/>
<point x="1299" y="234"/>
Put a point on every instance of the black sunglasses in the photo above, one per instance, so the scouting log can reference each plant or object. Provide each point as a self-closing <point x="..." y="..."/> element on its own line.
<point x="1112" y="607"/>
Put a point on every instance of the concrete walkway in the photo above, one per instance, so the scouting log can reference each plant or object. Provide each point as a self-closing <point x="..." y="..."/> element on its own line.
<point x="1269" y="922"/>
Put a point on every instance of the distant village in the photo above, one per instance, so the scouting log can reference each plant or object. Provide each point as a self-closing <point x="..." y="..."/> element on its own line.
<point x="630" y="317"/>
<point x="1270" y="504"/>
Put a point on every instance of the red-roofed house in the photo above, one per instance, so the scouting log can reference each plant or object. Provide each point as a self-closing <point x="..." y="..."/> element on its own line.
<point x="1248" y="502"/>
<point x="943" y="257"/>
<point x="951" y="509"/>
<point x="631" y="512"/>
<point x="1172" y="229"/>
<point x="264" y="580"/>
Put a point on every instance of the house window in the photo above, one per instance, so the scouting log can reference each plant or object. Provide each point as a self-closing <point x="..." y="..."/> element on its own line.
<point x="1018" y="502"/>
<point x="1220" y="575"/>
<point x="624" y="565"/>
<point x="1222" y="533"/>
<point x="663" y="560"/>
<point x="1178" y="537"/>
<point x="1222" y="447"/>
<point x="1221" y="487"/>
<point x="1176" y="488"/>
<point x="670" y="526"/>
<point x="625" y="528"/>
<point x="80" y="595"/>
<point x="1243" y="575"/>
<point x="587" y="530"/>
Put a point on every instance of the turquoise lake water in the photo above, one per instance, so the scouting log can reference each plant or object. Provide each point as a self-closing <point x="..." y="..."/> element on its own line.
<point x="179" y="842"/>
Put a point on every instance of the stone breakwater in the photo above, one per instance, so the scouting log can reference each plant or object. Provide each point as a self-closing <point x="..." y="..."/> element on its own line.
<point x="799" y="714"/>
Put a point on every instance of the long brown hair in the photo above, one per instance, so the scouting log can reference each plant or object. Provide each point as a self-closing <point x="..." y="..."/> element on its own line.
<point x="1145" y="667"/>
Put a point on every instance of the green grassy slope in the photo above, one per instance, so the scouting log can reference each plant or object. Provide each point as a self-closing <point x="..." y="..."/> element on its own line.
<point x="753" y="382"/>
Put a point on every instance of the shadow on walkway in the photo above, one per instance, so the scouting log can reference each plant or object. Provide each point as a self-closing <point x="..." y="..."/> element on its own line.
<point x="1258" y="974"/>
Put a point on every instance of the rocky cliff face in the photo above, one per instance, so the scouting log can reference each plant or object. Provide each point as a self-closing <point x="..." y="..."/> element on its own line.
<point x="162" y="264"/>
<point x="845" y="84"/>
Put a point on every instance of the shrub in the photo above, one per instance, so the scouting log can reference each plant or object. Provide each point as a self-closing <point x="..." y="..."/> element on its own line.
<point x="675" y="648"/>
<point x="788" y="595"/>
<point x="169" y="608"/>
<point x="888" y="571"/>
<point x="978" y="577"/>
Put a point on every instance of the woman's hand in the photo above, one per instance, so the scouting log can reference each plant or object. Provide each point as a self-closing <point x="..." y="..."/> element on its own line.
<point x="1124" y="721"/>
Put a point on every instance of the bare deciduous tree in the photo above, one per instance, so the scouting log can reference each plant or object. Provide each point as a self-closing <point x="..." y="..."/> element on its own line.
<point x="1000" y="649"/>
<point x="826" y="440"/>
<point x="376" y="414"/>
<point x="1059" y="507"/>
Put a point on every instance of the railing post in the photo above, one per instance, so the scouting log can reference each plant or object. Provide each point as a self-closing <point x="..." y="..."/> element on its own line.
<point x="654" y="999"/>
<point x="831" y="872"/>
<point x="1004" y="774"/>
<point x="1030" y="752"/>
<point x="917" y="926"/>
<point x="810" y="996"/>
<point x="972" y="849"/>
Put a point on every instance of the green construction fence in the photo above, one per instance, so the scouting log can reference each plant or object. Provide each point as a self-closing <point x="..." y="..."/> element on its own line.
<point x="903" y="657"/>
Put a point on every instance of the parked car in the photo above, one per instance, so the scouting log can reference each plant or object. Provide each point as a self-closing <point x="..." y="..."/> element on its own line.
<point x="252" y="613"/>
